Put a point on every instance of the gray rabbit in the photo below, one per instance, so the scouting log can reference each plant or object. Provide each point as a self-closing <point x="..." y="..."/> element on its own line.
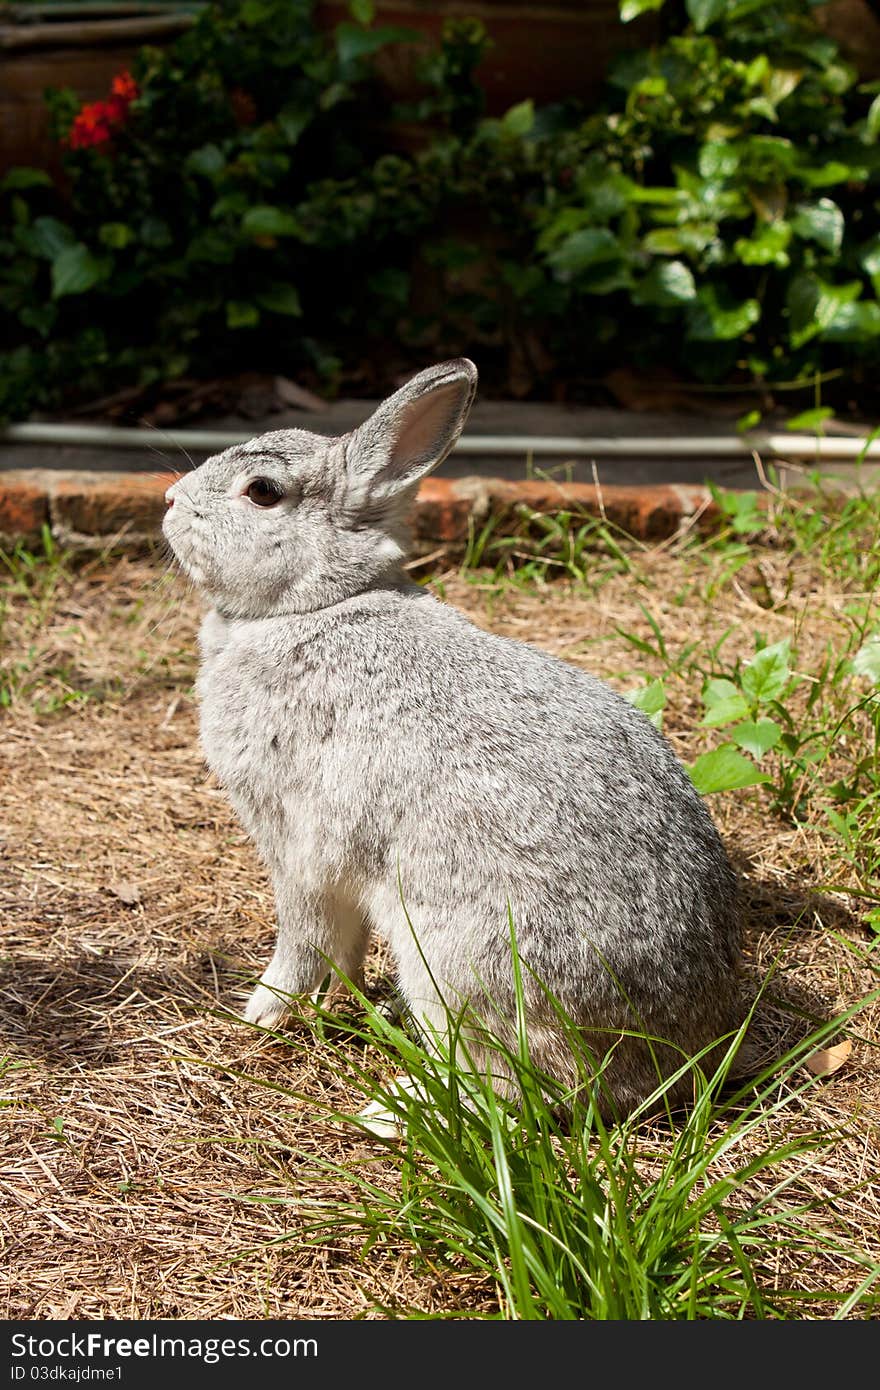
<point x="402" y="771"/>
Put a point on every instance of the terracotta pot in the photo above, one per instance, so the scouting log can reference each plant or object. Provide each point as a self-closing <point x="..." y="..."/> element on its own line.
<point x="544" y="51"/>
<point x="45" y="46"/>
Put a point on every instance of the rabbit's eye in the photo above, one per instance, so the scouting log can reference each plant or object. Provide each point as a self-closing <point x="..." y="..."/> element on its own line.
<point x="264" y="493"/>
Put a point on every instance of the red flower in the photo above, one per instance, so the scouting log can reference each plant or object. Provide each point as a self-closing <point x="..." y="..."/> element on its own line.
<point x="117" y="110"/>
<point x="125" y="87"/>
<point x="91" y="126"/>
<point x="94" y="123"/>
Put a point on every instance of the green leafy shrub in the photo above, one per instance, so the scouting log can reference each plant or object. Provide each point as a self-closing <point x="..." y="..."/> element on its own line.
<point x="255" y="208"/>
<point x="198" y="235"/>
<point x="728" y="198"/>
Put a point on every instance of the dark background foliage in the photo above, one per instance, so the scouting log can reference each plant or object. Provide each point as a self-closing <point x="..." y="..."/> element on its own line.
<point x="266" y="205"/>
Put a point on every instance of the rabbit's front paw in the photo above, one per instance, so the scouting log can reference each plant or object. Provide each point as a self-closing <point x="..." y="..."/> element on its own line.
<point x="289" y="973"/>
<point x="265" y="1007"/>
<point x="388" y="1120"/>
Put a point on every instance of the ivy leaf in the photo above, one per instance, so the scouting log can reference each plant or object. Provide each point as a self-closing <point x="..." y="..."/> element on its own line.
<point x="364" y="11"/>
<point x="392" y="285"/>
<point x="714" y="316"/>
<point x="333" y="95"/>
<point x="703" y="13"/>
<point x="42" y="317"/>
<point x="692" y="237"/>
<point x="768" y="673"/>
<point x="75" y="270"/>
<point x="723" y="770"/>
<point x="872" y="122"/>
<point x="869" y="260"/>
<point x="48" y="237"/>
<point x="659" y="197"/>
<point x="607" y="280"/>
<point x="253" y="12"/>
<point x="156" y="233"/>
<point x="821" y="222"/>
<point x="207" y="160"/>
<point x="838" y="78"/>
<point x="766" y="247"/>
<point x="353" y="42"/>
<point x="116" y="235"/>
<point x="24" y="177"/>
<point x="757" y="738"/>
<point x="758" y="70"/>
<point x="631" y="9"/>
<point x="667" y="283"/>
<point x="581" y="250"/>
<point x="664" y="241"/>
<point x="854" y="323"/>
<point x="280" y="299"/>
<point x="292" y="121"/>
<point x="832" y="172"/>
<point x="651" y="700"/>
<point x="770" y="159"/>
<point x="813" y="305"/>
<point x="265" y="220"/>
<point x="240" y="314"/>
<point x="724" y="703"/>
<point x="519" y="119"/>
<point x="780" y="84"/>
<point x="230" y="205"/>
<point x="718" y="159"/>
<point x="212" y="247"/>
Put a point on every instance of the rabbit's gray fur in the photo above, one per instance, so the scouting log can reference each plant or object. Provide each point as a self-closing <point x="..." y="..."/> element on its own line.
<point x="393" y="761"/>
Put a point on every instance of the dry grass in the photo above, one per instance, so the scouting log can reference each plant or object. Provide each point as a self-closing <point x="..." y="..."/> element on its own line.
<point x="134" y="912"/>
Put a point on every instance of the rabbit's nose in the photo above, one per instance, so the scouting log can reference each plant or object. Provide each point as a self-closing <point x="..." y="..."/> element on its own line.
<point x="169" y="497"/>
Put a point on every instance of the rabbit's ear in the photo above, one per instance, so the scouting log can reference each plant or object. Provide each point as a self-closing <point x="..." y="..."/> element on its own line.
<point x="414" y="429"/>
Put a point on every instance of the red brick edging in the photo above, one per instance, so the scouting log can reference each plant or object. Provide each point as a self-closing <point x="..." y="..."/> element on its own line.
<point x="92" y="510"/>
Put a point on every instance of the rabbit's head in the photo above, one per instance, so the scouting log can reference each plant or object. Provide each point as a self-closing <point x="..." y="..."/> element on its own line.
<point x="293" y="521"/>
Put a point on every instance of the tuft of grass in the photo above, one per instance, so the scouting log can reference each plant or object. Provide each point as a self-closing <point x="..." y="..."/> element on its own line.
<point x="40" y="655"/>
<point x="34" y="580"/>
<point x="563" y="1216"/>
<point x="544" y="546"/>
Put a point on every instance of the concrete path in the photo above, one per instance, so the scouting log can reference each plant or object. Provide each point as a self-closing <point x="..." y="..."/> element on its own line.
<point x="487" y="418"/>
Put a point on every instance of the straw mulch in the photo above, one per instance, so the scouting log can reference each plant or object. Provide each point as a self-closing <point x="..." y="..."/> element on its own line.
<point x="134" y="915"/>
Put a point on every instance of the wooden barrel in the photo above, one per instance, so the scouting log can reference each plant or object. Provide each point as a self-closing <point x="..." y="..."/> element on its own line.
<point x="546" y="51"/>
<point x="65" y="46"/>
